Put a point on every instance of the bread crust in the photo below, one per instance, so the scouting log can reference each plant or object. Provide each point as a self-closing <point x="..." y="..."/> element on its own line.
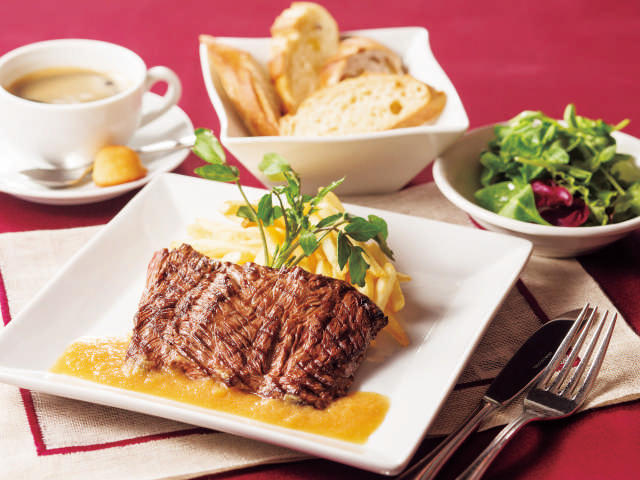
<point x="428" y="113"/>
<point x="304" y="36"/>
<point x="247" y="86"/>
<point x="357" y="56"/>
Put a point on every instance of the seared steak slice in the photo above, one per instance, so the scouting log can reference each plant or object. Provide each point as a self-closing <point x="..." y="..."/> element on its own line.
<point x="281" y="333"/>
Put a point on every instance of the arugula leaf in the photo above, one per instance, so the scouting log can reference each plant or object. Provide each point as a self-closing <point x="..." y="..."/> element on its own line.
<point x="620" y="125"/>
<point x="628" y="206"/>
<point x="493" y="166"/>
<point x="579" y="174"/>
<point x="607" y="154"/>
<point x="606" y="197"/>
<point x="570" y="116"/>
<point x="528" y="173"/>
<point x="550" y="133"/>
<point x="555" y="154"/>
<point x="625" y="170"/>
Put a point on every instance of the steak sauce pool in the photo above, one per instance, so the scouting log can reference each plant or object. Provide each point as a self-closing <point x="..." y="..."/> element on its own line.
<point x="352" y="418"/>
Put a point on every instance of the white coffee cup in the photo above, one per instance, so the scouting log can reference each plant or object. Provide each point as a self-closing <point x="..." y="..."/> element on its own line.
<point x="71" y="134"/>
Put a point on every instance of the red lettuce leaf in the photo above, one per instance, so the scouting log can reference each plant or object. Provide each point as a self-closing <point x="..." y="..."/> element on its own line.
<point x="557" y="205"/>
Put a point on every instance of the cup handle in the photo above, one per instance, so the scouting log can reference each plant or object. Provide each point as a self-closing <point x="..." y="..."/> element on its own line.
<point x="170" y="98"/>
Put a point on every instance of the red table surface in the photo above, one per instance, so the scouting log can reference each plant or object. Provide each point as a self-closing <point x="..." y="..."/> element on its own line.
<point x="503" y="57"/>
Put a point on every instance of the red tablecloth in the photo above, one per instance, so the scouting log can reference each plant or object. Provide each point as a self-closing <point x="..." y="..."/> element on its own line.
<point x="503" y="57"/>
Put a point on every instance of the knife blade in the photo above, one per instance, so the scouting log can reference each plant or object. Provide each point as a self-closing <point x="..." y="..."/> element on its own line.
<point x="519" y="372"/>
<point x="527" y="362"/>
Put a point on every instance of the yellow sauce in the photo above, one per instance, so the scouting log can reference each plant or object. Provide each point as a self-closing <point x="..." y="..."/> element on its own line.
<point x="352" y="418"/>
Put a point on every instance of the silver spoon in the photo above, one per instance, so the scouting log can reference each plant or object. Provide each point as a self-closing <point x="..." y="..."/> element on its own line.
<point x="69" y="177"/>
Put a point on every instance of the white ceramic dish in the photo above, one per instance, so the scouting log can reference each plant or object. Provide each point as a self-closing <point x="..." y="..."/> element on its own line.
<point x="372" y="163"/>
<point x="457" y="174"/>
<point x="173" y="124"/>
<point x="460" y="278"/>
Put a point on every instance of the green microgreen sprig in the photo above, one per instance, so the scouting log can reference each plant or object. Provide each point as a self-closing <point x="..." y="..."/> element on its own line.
<point x="287" y="201"/>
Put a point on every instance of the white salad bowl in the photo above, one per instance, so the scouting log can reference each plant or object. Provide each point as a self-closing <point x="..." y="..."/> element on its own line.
<point x="372" y="163"/>
<point x="457" y="174"/>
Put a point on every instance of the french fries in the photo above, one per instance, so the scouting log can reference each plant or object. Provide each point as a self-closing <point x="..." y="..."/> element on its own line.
<point x="240" y="242"/>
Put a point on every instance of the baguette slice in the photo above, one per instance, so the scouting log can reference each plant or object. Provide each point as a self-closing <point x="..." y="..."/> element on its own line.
<point x="368" y="103"/>
<point x="304" y="36"/>
<point x="247" y="85"/>
<point x="358" y="55"/>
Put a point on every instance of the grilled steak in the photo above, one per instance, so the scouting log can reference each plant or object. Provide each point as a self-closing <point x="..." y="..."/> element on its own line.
<point x="281" y="333"/>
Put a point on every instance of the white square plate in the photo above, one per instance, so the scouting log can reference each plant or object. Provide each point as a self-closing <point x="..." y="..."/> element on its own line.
<point x="460" y="278"/>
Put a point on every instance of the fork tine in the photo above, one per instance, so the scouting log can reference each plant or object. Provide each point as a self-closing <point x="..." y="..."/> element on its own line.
<point x="588" y="381"/>
<point x="560" y="353"/>
<point x="577" y="374"/>
<point x="575" y="348"/>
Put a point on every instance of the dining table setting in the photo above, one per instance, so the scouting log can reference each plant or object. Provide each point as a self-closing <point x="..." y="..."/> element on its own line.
<point x="335" y="240"/>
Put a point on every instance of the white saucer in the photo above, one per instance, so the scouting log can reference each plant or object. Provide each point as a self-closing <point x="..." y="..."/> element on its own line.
<point x="172" y="125"/>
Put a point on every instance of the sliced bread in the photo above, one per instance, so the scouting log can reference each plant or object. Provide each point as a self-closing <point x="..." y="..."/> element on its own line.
<point x="358" y="55"/>
<point x="303" y="37"/>
<point x="247" y="86"/>
<point x="368" y="103"/>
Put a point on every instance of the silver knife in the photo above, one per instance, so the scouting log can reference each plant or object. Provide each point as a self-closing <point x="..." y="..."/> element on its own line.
<point x="522" y="369"/>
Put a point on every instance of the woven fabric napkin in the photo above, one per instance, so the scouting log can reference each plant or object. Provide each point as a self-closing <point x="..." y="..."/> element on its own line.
<point x="46" y="436"/>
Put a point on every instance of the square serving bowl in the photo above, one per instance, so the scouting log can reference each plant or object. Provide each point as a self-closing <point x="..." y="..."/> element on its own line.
<point x="377" y="162"/>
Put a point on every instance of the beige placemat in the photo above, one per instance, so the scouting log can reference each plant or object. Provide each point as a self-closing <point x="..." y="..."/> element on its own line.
<point x="45" y="436"/>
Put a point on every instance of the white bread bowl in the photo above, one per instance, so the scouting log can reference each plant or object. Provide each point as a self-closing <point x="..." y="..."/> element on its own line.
<point x="372" y="163"/>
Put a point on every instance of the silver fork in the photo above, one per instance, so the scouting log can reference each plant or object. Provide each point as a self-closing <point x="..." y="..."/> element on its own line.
<point x="552" y="396"/>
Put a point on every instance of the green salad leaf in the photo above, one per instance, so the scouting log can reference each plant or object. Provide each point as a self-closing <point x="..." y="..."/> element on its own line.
<point x="511" y="199"/>
<point x="629" y="204"/>
<point x="579" y="154"/>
